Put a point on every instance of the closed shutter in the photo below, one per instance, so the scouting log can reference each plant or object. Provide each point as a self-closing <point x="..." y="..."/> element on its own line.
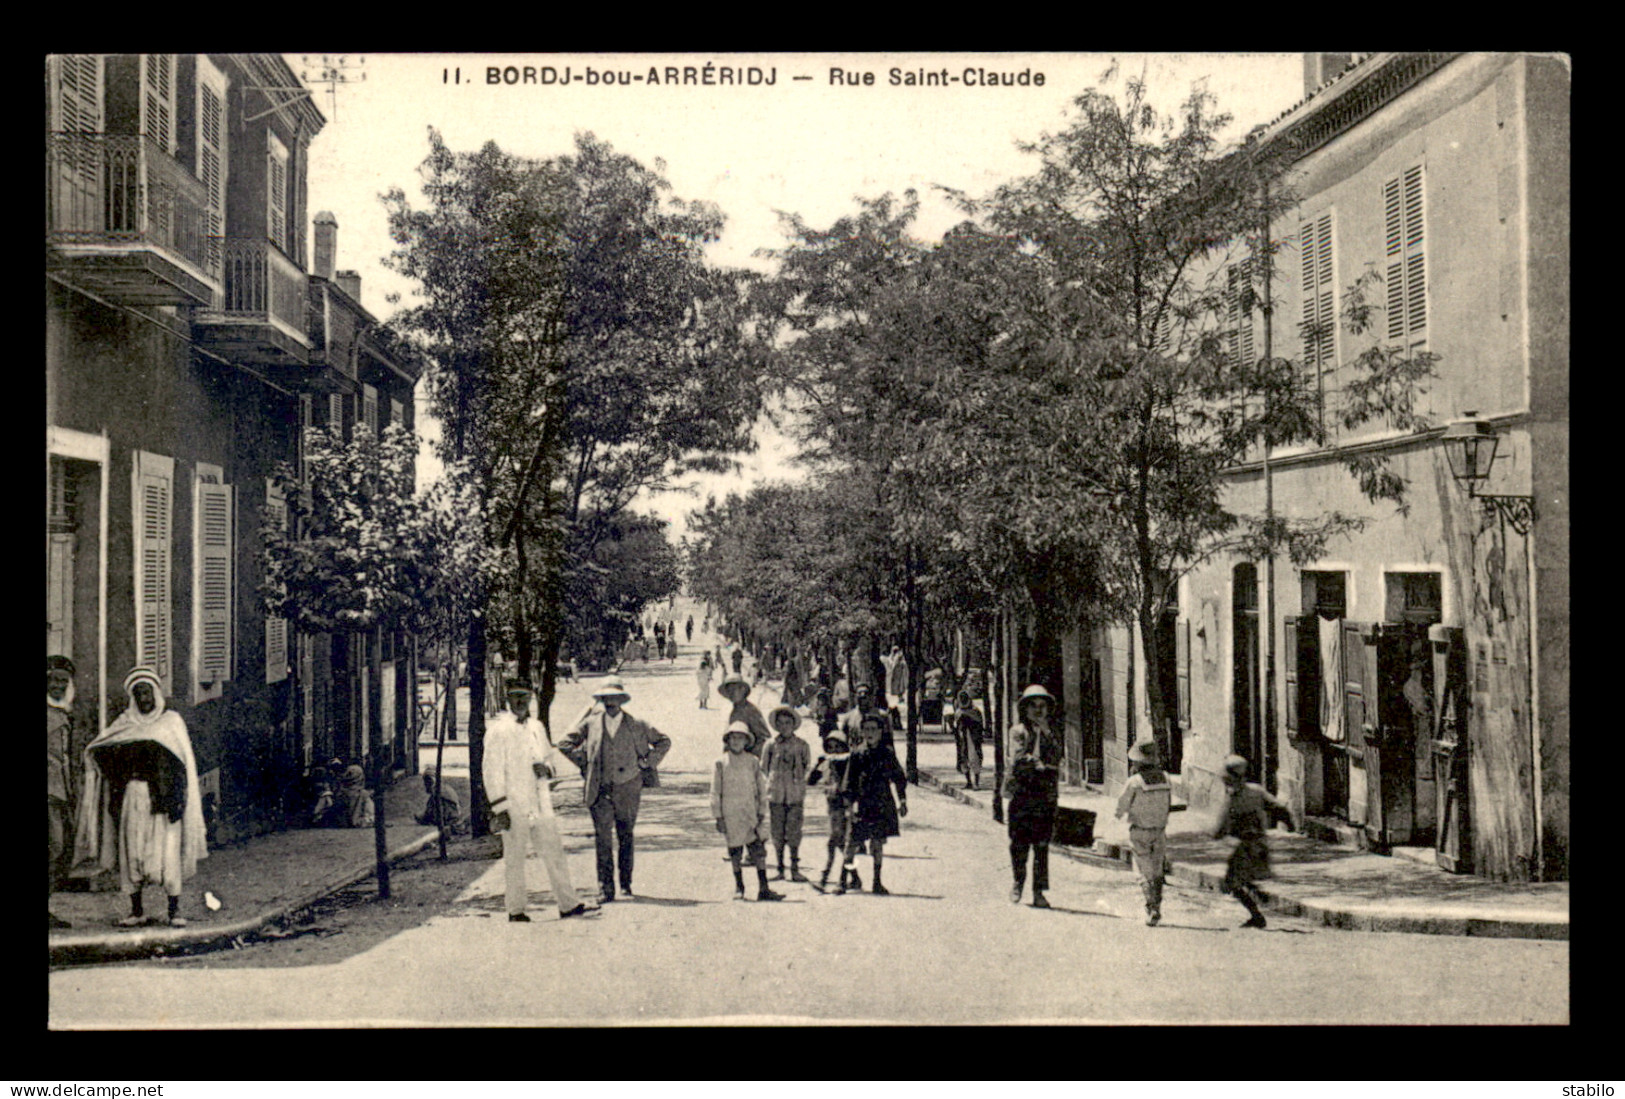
<point x="154" y="521"/>
<point x="211" y="149"/>
<point x="214" y="589"/>
<point x="1354" y="686"/>
<point x="79" y="93"/>
<point x="158" y="99"/>
<point x="1182" y="669"/>
<point x="369" y="408"/>
<point x="276" y="176"/>
<point x="1404" y="266"/>
<point x="276" y="627"/>
<point x="307" y="693"/>
<point x="1319" y="318"/>
<point x="335" y="414"/>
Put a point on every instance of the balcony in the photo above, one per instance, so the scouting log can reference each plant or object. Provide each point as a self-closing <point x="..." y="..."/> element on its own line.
<point x="126" y="222"/>
<point x="262" y="315"/>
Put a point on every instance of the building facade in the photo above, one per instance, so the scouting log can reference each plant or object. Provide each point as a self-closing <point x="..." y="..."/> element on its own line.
<point x="187" y="344"/>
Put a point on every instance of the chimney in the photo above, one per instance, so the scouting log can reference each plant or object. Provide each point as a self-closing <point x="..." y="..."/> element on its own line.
<point x="1321" y="67"/>
<point x="350" y="283"/>
<point x="327" y="232"/>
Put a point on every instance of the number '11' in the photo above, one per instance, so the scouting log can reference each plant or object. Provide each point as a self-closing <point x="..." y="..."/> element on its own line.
<point x="451" y="76"/>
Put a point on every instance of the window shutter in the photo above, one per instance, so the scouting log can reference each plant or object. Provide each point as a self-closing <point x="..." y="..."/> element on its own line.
<point x="1404" y="265"/>
<point x="307" y="691"/>
<point x="158" y="99"/>
<point x="335" y="413"/>
<point x="1239" y="294"/>
<point x="155" y="514"/>
<point x="276" y="627"/>
<point x="1182" y="668"/>
<point x="1293" y="697"/>
<point x="276" y="176"/>
<point x="211" y="145"/>
<point x="369" y="408"/>
<point x="79" y="102"/>
<point x="1354" y="685"/>
<point x="214" y="595"/>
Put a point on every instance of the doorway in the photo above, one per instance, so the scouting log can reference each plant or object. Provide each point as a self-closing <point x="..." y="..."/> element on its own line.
<point x="1247" y="723"/>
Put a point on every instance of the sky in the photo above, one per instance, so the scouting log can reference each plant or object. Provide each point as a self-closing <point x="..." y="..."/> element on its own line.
<point x="808" y="146"/>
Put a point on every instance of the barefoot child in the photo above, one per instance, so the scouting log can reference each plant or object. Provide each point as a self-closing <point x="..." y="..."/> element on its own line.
<point x="739" y="805"/>
<point x="1247" y="814"/>
<point x="786" y="761"/>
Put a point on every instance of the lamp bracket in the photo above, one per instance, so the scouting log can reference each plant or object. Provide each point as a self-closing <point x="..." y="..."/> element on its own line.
<point x="1518" y="511"/>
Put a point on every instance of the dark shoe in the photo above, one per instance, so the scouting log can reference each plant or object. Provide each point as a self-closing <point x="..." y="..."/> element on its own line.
<point x="626" y="891"/>
<point x="580" y="910"/>
<point x="605" y="897"/>
<point x="822" y="883"/>
<point x="518" y="917"/>
<point x="879" y="890"/>
<point x="1152" y="919"/>
<point x="1039" y="900"/>
<point x="856" y="882"/>
<point x="768" y="895"/>
<point x="780" y="875"/>
<point x="57" y="922"/>
<point x="840" y="890"/>
<point x="739" y="894"/>
<point x="1015" y="894"/>
<point x="1256" y="921"/>
<point x="796" y="875"/>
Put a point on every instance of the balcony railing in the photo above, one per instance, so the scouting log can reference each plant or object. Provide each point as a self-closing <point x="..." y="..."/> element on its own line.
<point x="112" y="189"/>
<point x="262" y="283"/>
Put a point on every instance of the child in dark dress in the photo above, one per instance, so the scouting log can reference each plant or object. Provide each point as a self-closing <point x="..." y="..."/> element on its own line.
<point x="1247" y="814"/>
<point x="870" y="775"/>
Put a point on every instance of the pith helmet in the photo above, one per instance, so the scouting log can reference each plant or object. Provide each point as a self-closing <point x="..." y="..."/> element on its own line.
<point x="738" y="728"/>
<point x="1235" y="766"/>
<point x="612" y="688"/>
<point x="1032" y="692"/>
<point x="773" y="717"/>
<point x="1143" y="752"/>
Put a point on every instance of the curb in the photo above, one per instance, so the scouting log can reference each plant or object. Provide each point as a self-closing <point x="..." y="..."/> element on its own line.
<point x="84" y="949"/>
<point x="1118" y="857"/>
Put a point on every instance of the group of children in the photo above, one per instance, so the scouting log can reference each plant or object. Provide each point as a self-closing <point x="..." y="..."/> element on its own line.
<point x="753" y="801"/>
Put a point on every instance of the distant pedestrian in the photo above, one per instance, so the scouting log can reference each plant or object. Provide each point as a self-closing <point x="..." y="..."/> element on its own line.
<point x="142" y="811"/>
<point x="1247" y="813"/>
<point x="737" y="691"/>
<point x="618" y="756"/>
<point x="738" y="660"/>
<point x="703" y="677"/>
<point x="740" y="807"/>
<point x="688" y="629"/>
<point x="1145" y="801"/>
<point x="1033" y="787"/>
<point x="870" y="775"/>
<point x="968" y="726"/>
<point x="355" y="800"/>
<point x="671" y="647"/>
<point x="59" y="672"/>
<point x="830" y="772"/>
<point x="786" y="760"/>
<point x="516" y="770"/>
<point x="824" y="712"/>
<point x="794" y="681"/>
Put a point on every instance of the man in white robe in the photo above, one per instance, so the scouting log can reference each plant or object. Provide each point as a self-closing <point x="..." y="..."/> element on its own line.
<point x="516" y="771"/>
<point x="142" y="811"/>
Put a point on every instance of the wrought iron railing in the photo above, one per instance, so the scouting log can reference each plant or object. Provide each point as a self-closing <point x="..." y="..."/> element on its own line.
<point x="261" y="281"/>
<point x="113" y="188"/>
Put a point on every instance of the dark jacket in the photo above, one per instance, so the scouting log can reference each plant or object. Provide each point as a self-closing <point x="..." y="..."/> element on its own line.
<point x="870" y="775"/>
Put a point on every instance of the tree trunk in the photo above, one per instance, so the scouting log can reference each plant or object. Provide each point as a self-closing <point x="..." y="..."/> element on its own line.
<point x="380" y="841"/>
<point x="478" y="815"/>
<point x="914" y="629"/>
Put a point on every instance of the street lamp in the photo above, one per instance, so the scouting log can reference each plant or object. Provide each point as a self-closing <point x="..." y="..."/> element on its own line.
<point x="1469" y="447"/>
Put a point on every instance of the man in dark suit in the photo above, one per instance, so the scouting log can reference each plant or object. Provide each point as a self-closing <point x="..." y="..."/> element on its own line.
<point x="618" y="755"/>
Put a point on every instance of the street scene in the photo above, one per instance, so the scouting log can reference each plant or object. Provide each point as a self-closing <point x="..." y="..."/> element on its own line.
<point x="802" y="539"/>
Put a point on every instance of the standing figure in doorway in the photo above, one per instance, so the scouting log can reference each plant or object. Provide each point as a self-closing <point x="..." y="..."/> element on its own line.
<point x="58" y="737"/>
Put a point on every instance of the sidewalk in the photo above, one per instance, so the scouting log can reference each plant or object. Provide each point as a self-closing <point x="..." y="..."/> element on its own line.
<point x="258" y="881"/>
<point x="1335" y="885"/>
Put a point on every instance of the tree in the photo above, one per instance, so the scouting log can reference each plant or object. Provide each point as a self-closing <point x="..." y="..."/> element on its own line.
<point x="350" y="561"/>
<point x="580" y="350"/>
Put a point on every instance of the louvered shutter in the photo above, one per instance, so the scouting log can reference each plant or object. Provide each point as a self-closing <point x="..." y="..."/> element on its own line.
<point x="276" y="176"/>
<point x="397" y="413"/>
<point x="76" y="197"/>
<point x="276" y="627"/>
<point x="158" y="99"/>
<point x="1316" y="293"/>
<point x="211" y="148"/>
<point x="1404" y="265"/>
<point x="1239" y="294"/>
<point x="369" y="408"/>
<point x="154" y="525"/>
<point x="335" y="414"/>
<point x="307" y="692"/>
<point x="1354" y="686"/>
<point x="1293" y="694"/>
<point x="79" y="93"/>
<point x="214" y="573"/>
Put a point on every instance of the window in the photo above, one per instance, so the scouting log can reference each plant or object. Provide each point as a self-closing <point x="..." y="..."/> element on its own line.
<point x="1413" y="597"/>
<point x="79" y="93"/>
<point x="1404" y="266"/>
<point x="212" y="563"/>
<point x="1319" y="299"/>
<point x="276" y="182"/>
<point x="335" y="415"/>
<point x="369" y="408"/>
<point x="211" y="145"/>
<point x="1239" y="300"/>
<point x="276" y="627"/>
<point x="158" y="99"/>
<point x="154" y="516"/>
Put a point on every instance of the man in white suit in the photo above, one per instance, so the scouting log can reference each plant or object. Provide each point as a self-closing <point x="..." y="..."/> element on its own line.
<point x="516" y="772"/>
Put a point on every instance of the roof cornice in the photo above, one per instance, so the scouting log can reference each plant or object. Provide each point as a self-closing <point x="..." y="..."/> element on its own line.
<point x="1347" y="99"/>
